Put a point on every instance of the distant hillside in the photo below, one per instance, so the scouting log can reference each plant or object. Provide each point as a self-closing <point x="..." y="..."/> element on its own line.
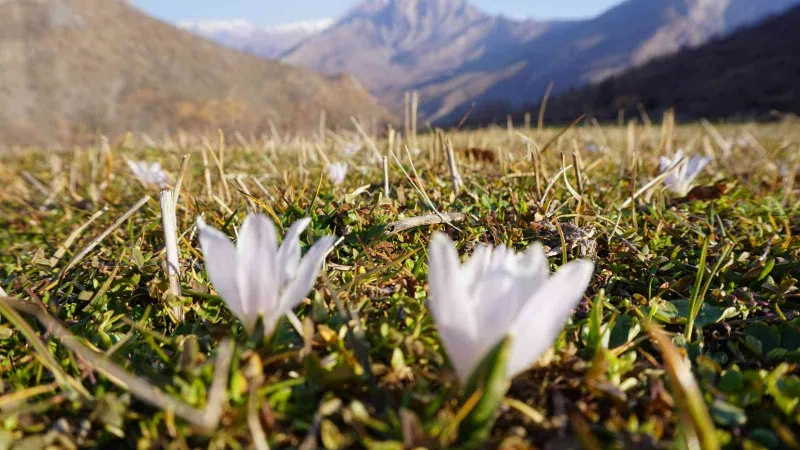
<point x="73" y="67"/>
<point x="455" y="54"/>
<point x="746" y="75"/>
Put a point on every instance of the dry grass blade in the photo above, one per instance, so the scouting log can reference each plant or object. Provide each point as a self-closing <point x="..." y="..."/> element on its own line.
<point x="181" y="175"/>
<point x="417" y="185"/>
<point x="553" y="181"/>
<point x="524" y="409"/>
<point x="652" y="183"/>
<point x="366" y="138"/>
<point x="449" y="433"/>
<point x="386" y="177"/>
<point x="455" y="177"/>
<point x="206" y="419"/>
<point x="690" y="399"/>
<point x="10" y="400"/>
<point x="8" y="306"/>
<point x="543" y="107"/>
<point x="77" y="233"/>
<point x="91" y="245"/>
<point x="421" y="221"/>
<point x="36" y="183"/>
<point x="561" y="133"/>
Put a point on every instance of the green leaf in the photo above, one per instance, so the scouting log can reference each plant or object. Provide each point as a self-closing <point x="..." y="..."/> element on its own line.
<point x="753" y="344"/>
<point x="490" y="380"/>
<point x="765" y="437"/>
<point x="727" y="415"/>
<point x="138" y="258"/>
<point x="679" y="312"/>
<point x="664" y="311"/>
<point x="790" y="336"/>
<point x="785" y="401"/>
<point x="768" y="336"/>
<point x="625" y="330"/>
<point x="731" y="381"/>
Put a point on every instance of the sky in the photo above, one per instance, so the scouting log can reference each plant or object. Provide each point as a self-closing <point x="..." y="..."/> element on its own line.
<point x="273" y="12"/>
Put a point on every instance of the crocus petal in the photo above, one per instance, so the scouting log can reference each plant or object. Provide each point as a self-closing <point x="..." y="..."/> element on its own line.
<point x="337" y="172"/>
<point x="463" y="349"/>
<point x="450" y="305"/>
<point x="306" y="274"/>
<point x="504" y="290"/>
<point x="258" y="272"/>
<point x="696" y="165"/>
<point x="543" y="316"/>
<point x="534" y="264"/>
<point x="664" y="163"/>
<point x="475" y="267"/>
<point x="222" y="265"/>
<point x="289" y="252"/>
<point x="498" y="301"/>
<point x="136" y="169"/>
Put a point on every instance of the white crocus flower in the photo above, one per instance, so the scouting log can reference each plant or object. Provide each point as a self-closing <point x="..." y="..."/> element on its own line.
<point x="257" y="277"/>
<point x="149" y="173"/>
<point x="500" y="293"/>
<point x="337" y="172"/>
<point x="681" y="179"/>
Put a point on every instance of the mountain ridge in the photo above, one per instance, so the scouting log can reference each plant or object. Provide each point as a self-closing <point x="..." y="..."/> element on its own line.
<point x="79" y="67"/>
<point x="267" y="41"/>
<point x="394" y="45"/>
<point x="746" y="75"/>
<point x="473" y="56"/>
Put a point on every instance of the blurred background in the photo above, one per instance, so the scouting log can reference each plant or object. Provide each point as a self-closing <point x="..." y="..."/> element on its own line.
<point x="70" y="69"/>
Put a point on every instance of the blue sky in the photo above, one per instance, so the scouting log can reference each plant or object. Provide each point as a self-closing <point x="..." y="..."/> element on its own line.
<point x="270" y="12"/>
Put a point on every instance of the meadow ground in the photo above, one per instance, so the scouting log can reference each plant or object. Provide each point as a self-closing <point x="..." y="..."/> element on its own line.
<point x="92" y="353"/>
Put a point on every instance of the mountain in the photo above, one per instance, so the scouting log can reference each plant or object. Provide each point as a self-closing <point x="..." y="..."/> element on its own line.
<point x="455" y="54"/>
<point x="269" y="41"/>
<point x="746" y="75"/>
<point x="395" y="45"/>
<point x="626" y="36"/>
<point x="72" y="67"/>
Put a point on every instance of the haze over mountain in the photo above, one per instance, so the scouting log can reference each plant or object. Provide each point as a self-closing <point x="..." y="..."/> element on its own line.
<point x="395" y="45"/>
<point x="269" y="41"/>
<point x="73" y="66"/>
<point x="749" y="74"/>
<point x="455" y="54"/>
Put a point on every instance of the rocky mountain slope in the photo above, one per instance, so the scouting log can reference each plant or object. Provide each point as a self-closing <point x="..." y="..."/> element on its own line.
<point x="750" y="74"/>
<point x="76" y="67"/>
<point x="455" y="54"/>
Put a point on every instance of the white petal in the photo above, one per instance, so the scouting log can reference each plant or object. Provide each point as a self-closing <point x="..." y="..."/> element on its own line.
<point x="463" y="349"/>
<point x="543" y="316"/>
<point x="535" y="260"/>
<point x="498" y="301"/>
<point x="306" y="275"/>
<point x="258" y="272"/>
<point x="503" y="292"/>
<point x="450" y="306"/>
<point x="289" y="253"/>
<point x="222" y="264"/>
<point x="501" y="258"/>
<point x="696" y="165"/>
<point x="664" y="163"/>
<point x="476" y="266"/>
<point x="136" y="169"/>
